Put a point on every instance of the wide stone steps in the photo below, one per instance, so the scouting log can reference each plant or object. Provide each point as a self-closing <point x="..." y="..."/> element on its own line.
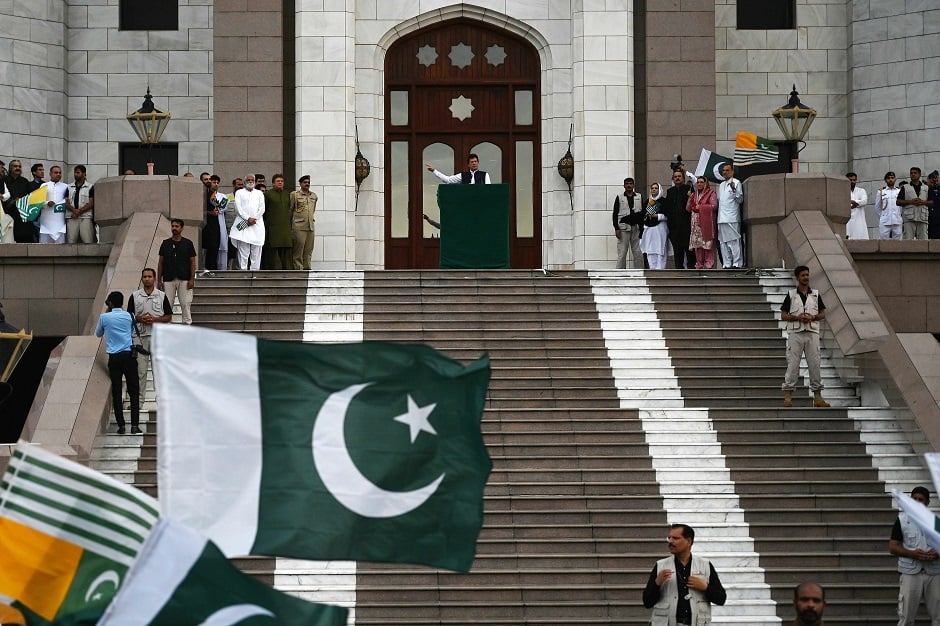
<point x="575" y="510"/>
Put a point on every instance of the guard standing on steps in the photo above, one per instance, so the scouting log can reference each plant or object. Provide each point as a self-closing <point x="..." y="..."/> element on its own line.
<point x="803" y="309"/>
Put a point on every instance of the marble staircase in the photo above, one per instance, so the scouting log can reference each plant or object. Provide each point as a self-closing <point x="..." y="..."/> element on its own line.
<point x="620" y="402"/>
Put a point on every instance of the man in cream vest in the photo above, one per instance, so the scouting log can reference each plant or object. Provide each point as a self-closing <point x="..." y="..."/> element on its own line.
<point x="802" y="310"/>
<point x="918" y="565"/>
<point x="682" y="587"/>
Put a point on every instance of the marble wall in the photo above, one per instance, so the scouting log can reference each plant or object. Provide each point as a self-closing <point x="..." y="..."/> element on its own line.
<point x="33" y="82"/>
<point x="756" y="69"/>
<point x="894" y="89"/>
<point x="109" y="71"/>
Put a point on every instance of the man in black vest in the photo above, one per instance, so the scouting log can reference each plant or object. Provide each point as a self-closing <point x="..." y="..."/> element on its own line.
<point x="475" y="176"/>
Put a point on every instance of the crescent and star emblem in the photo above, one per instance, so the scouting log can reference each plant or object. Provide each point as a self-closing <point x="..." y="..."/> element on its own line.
<point x="717" y="170"/>
<point x="110" y="576"/>
<point x="231" y="615"/>
<point x="341" y="476"/>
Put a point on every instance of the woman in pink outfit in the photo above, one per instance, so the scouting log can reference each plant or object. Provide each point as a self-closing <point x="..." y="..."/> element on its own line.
<point x="703" y="205"/>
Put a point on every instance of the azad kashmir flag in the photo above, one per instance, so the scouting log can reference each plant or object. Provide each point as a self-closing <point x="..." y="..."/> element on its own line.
<point x="922" y="517"/>
<point x="364" y="451"/>
<point x="30" y="205"/>
<point x="750" y="148"/>
<point x="181" y="577"/>
<point x="710" y="164"/>
<point x="68" y="536"/>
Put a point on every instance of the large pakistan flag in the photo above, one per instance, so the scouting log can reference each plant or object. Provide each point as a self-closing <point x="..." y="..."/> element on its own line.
<point x="364" y="451"/>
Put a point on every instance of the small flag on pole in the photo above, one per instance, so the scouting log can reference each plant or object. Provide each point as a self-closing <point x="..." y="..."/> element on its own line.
<point x="182" y="578"/>
<point x="30" y="205"/>
<point x="365" y="451"/>
<point x="923" y="517"/>
<point x="750" y="148"/>
<point x="68" y="534"/>
<point x="710" y="164"/>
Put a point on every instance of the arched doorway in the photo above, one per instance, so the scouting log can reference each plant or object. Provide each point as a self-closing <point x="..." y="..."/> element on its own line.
<point x="451" y="89"/>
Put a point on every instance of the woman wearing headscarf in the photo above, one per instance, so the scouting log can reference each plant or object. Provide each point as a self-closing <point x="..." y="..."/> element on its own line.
<point x="655" y="241"/>
<point x="703" y="205"/>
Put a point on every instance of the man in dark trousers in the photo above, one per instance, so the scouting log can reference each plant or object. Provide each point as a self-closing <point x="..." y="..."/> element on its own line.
<point x="176" y="271"/>
<point x="18" y="186"/>
<point x="679" y="221"/>
<point x="116" y="328"/>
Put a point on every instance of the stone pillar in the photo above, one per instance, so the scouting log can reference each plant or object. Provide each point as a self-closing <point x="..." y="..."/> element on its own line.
<point x="770" y="198"/>
<point x="602" y="61"/>
<point x="326" y="122"/>
<point x="119" y="197"/>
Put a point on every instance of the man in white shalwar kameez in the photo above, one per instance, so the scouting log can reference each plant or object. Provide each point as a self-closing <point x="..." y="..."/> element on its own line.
<point x="730" y="197"/>
<point x="857" y="227"/>
<point x="52" y="217"/>
<point x="248" y="230"/>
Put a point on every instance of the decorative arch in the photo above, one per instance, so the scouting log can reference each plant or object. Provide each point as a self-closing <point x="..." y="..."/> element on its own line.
<point x="458" y="79"/>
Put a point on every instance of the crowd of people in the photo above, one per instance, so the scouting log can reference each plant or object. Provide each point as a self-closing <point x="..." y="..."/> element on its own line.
<point x="255" y="227"/>
<point x="698" y="223"/>
<point x="252" y="227"/>
<point x="907" y="209"/>
<point x="703" y="226"/>
<point x="67" y="215"/>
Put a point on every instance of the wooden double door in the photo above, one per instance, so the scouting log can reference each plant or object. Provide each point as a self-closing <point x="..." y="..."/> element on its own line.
<point x="451" y="90"/>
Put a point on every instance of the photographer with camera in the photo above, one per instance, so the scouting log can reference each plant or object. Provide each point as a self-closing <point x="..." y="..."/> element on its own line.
<point x="149" y="306"/>
<point x="116" y="326"/>
<point x="679" y="166"/>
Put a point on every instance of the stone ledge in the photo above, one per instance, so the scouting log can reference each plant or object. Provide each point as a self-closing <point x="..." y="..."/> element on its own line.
<point x="73" y="252"/>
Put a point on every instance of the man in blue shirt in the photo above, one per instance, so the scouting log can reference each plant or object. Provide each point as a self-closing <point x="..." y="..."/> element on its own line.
<point x="116" y="326"/>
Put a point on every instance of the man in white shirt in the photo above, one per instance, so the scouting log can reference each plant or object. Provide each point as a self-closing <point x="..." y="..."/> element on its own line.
<point x="730" y="198"/>
<point x="889" y="213"/>
<point x="857" y="228"/>
<point x="248" y="230"/>
<point x="474" y="175"/>
<point x="52" y="217"/>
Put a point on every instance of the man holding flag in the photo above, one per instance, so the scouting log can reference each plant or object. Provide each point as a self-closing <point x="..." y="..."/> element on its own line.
<point x="52" y="216"/>
<point x="18" y="187"/>
<point x="918" y="561"/>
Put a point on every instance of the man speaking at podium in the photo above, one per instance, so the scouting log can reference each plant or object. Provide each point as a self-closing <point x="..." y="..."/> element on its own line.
<point x="472" y="177"/>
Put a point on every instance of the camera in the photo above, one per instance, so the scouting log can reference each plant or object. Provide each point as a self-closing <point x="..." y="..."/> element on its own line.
<point x="675" y="165"/>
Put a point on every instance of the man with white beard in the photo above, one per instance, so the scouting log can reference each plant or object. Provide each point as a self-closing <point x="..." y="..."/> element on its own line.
<point x="248" y="230"/>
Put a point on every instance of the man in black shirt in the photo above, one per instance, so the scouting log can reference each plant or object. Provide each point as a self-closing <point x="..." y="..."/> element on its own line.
<point x="18" y="186"/>
<point x="681" y="586"/>
<point x="679" y="220"/>
<point x="177" y="268"/>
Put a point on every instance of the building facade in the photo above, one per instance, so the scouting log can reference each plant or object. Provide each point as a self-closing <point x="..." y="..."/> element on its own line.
<point x="301" y="86"/>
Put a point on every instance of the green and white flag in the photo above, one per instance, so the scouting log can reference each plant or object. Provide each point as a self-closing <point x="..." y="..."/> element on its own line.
<point x="710" y="164"/>
<point x="68" y="536"/>
<point x="30" y="205"/>
<point x="750" y="149"/>
<point x="182" y="578"/>
<point x="364" y="451"/>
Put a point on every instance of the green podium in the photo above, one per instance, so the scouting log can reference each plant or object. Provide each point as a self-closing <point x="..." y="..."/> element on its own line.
<point x="474" y="226"/>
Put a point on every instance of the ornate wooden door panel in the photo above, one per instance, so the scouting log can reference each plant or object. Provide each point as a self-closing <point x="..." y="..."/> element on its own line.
<point x="452" y="89"/>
